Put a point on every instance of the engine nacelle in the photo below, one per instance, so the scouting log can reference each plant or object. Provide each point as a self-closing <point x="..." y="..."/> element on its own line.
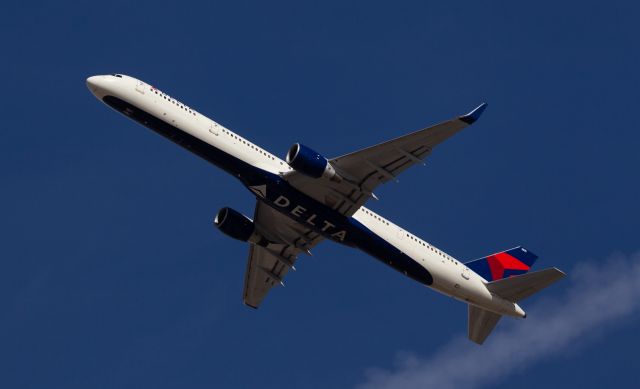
<point x="236" y="225"/>
<point x="308" y="162"/>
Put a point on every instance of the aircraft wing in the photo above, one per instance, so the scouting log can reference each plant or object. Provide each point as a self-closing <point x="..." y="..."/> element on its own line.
<point x="365" y="169"/>
<point x="267" y="265"/>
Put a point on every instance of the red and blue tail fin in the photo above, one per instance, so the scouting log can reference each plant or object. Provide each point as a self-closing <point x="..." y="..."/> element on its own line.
<point x="508" y="263"/>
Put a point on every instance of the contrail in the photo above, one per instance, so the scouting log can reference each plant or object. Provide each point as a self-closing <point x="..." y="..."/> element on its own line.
<point x="598" y="295"/>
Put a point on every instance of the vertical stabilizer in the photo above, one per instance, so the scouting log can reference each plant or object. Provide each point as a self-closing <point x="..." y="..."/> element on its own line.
<point x="515" y="261"/>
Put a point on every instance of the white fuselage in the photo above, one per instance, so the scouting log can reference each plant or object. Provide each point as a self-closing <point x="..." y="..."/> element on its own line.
<point x="450" y="276"/>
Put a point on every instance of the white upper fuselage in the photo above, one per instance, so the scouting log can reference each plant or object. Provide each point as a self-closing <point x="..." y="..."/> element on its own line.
<point x="450" y="276"/>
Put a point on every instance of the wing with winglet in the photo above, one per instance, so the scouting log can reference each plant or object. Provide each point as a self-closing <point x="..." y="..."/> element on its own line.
<point x="362" y="171"/>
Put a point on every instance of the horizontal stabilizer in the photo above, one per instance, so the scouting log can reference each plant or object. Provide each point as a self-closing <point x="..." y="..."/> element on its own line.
<point x="518" y="288"/>
<point x="480" y="323"/>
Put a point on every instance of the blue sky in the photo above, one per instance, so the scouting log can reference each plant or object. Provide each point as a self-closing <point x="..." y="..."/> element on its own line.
<point x="114" y="276"/>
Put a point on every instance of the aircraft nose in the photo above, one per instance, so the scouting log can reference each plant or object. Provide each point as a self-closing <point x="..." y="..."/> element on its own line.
<point x="98" y="85"/>
<point x="93" y="83"/>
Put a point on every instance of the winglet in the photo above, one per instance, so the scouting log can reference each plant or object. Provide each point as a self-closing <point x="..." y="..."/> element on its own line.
<point x="474" y="115"/>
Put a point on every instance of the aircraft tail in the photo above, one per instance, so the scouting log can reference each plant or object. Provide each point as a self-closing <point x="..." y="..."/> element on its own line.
<point x="515" y="288"/>
<point x="480" y="323"/>
<point x="515" y="261"/>
<point x="520" y="287"/>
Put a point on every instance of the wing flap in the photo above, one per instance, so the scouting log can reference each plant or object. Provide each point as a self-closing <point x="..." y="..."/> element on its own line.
<point x="268" y="265"/>
<point x="264" y="271"/>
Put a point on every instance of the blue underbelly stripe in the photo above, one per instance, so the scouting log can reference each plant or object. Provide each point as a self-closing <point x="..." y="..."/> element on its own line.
<point x="356" y="234"/>
<point x="372" y="244"/>
<point x="226" y="162"/>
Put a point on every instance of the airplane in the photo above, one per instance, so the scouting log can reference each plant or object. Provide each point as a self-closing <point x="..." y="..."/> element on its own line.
<point x="307" y="198"/>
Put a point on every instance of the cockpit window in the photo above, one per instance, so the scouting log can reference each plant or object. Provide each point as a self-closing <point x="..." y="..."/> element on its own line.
<point x="117" y="75"/>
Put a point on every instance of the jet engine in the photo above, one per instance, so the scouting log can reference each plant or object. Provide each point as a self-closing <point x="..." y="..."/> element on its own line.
<point x="308" y="162"/>
<point x="236" y="225"/>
